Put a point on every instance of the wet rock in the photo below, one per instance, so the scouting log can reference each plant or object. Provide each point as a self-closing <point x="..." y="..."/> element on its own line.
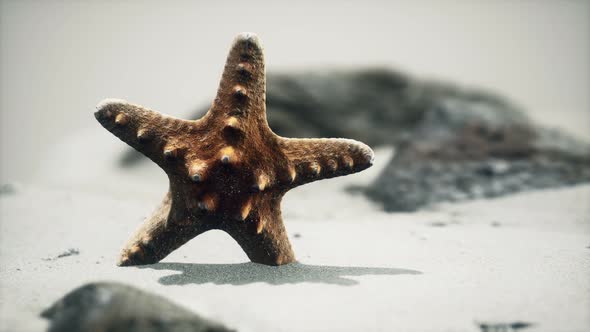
<point x="452" y="143"/>
<point x="116" y="307"/>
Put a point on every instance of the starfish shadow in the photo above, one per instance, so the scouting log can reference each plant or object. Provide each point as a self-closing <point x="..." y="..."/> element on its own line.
<point x="247" y="273"/>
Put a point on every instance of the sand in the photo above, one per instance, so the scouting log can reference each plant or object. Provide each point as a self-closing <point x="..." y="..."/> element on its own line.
<point x="519" y="258"/>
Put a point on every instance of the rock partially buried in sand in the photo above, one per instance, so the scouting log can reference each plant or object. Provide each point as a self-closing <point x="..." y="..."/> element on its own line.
<point x="115" y="307"/>
<point x="452" y="158"/>
<point x="228" y="170"/>
<point x="452" y="143"/>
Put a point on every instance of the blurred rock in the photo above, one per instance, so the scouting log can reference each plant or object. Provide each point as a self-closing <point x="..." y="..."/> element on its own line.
<point x="451" y="143"/>
<point x="468" y="150"/>
<point x="409" y="184"/>
<point x="113" y="307"/>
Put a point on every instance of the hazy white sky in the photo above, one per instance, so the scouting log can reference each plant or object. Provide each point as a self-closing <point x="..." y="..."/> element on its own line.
<point x="59" y="58"/>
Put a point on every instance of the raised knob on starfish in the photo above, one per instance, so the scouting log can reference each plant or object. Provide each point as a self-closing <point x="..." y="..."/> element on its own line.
<point x="227" y="170"/>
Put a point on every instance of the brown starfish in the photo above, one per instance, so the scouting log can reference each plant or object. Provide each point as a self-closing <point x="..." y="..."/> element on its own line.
<point x="227" y="170"/>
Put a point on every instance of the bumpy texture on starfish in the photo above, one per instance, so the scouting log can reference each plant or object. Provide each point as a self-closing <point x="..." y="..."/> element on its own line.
<point x="227" y="170"/>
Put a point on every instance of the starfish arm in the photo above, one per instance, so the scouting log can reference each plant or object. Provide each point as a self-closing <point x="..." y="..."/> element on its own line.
<point x="161" y="233"/>
<point x="263" y="236"/>
<point x="242" y="89"/>
<point x="321" y="158"/>
<point x="151" y="133"/>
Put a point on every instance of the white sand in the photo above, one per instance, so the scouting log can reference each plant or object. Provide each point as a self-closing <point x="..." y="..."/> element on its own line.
<point x="360" y="269"/>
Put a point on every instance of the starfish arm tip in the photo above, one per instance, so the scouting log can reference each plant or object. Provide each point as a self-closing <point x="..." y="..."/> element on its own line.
<point x="246" y="37"/>
<point x="366" y="154"/>
<point x="151" y="133"/>
<point x="103" y="104"/>
<point x="315" y="159"/>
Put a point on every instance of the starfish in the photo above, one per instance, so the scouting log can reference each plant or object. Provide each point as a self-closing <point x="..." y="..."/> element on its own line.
<point x="227" y="170"/>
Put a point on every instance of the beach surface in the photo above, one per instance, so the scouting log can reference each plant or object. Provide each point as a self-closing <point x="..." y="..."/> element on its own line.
<point x="521" y="258"/>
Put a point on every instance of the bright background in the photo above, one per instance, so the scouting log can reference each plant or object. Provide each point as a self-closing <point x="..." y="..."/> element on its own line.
<point x="59" y="58"/>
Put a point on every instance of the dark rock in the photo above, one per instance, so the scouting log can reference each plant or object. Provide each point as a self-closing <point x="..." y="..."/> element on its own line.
<point x="473" y="160"/>
<point x="116" y="307"/>
<point x="408" y="184"/>
<point x="451" y="143"/>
